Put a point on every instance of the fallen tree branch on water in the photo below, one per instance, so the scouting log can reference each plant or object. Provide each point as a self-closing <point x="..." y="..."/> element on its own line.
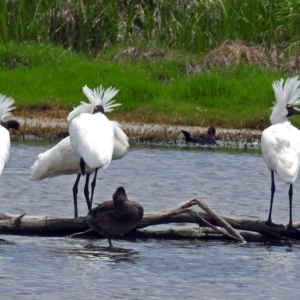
<point x="210" y="225"/>
<point x="22" y="225"/>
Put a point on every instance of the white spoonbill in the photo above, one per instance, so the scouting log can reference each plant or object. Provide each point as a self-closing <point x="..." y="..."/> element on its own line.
<point x="5" y="111"/>
<point x="62" y="158"/>
<point x="280" y="143"/>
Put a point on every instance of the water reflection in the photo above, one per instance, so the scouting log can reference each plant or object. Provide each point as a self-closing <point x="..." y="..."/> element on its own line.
<point x="96" y="250"/>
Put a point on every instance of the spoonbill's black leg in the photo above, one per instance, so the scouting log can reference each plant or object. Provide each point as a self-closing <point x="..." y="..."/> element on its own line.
<point x="93" y="184"/>
<point x="82" y="166"/>
<point x="273" y="188"/>
<point x="86" y="191"/>
<point x="75" y="192"/>
<point x="290" y="225"/>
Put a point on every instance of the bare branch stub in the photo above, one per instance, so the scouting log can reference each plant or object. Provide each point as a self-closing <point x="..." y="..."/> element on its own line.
<point x="17" y="220"/>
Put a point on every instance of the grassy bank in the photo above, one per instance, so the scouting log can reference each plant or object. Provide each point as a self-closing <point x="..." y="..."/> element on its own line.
<point x="214" y="67"/>
<point x="48" y="80"/>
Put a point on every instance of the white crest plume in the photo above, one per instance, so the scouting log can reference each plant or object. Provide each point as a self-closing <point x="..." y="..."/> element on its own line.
<point x="98" y="96"/>
<point x="6" y="106"/>
<point x="287" y="92"/>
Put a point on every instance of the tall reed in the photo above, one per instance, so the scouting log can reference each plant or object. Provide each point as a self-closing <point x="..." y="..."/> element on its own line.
<point x="91" y="26"/>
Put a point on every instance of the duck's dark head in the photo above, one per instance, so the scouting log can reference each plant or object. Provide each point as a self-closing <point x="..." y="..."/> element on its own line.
<point x="98" y="109"/>
<point x="211" y="130"/>
<point x="119" y="196"/>
<point x="11" y="124"/>
<point x="292" y="110"/>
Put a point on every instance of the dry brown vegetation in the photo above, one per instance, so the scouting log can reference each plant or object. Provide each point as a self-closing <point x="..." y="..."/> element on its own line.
<point x="232" y="53"/>
<point x="229" y="54"/>
<point x="135" y="53"/>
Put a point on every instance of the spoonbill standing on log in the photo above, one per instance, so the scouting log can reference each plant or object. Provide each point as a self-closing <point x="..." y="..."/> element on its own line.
<point x="5" y="111"/>
<point x="280" y="143"/>
<point x="62" y="159"/>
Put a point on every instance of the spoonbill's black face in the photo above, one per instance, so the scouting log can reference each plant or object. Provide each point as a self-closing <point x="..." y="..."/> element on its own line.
<point x="11" y="124"/>
<point x="292" y="110"/>
<point x="98" y="109"/>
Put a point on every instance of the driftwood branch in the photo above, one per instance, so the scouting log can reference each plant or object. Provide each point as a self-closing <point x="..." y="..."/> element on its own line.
<point x="218" y="229"/>
<point x="209" y="225"/>
<point x="220" y="220"/>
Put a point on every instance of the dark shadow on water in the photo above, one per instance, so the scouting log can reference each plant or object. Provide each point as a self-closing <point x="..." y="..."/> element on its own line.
<point x="289" y="247"/>
<point x="97" y="250"/>
<point x="6" y="242"/>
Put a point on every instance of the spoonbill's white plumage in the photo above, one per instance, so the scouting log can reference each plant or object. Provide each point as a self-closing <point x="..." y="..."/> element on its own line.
<point x="92" y="137"/>
<point x="280" y="143"/>
<point x="62" y="159"/>
<point x="6" y="106"/>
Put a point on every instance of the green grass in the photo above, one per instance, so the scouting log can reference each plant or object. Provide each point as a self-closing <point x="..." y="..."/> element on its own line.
<point x="156" y="90"/>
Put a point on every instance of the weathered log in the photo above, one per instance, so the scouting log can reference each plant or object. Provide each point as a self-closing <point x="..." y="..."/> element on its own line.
<point x="44" y="226"/>
<point x="181" y="213"/>
<point x="236" y="223"/>
<point x="200" y="233"/>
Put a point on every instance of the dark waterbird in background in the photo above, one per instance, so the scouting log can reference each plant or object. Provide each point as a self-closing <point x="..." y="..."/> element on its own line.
<point x="280" y="143"/>
<point x="115" y="217"/>
<point x="5" y="111"/>
<point x="202" y="139"/>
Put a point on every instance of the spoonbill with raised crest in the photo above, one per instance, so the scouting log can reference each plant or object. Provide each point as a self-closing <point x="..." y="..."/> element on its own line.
<point x="62" y="159"/>
<point x="280" y="143"/>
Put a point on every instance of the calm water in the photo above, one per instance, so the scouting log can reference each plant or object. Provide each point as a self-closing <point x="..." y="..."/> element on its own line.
<point x="232" y="183"/>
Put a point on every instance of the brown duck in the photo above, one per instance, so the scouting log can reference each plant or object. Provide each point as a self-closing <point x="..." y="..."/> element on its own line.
<point x="115" y="217"/>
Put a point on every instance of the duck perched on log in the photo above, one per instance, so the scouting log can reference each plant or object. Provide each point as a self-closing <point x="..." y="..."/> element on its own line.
<point x="202" y="139"/>
<point x="115" y="217"/>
